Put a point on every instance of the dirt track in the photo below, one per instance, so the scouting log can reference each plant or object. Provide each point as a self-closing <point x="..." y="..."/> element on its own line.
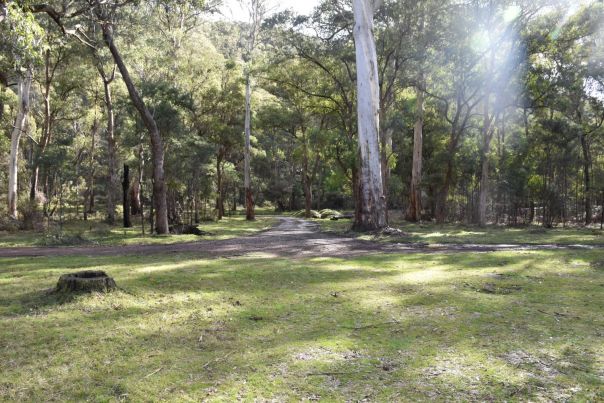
<point x="292" y="237"/>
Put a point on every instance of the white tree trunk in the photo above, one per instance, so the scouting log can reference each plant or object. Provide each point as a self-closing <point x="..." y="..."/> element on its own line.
<point x="247" y="175"/>
<point x="373" y="210"/>
<point x="20" y="123"/>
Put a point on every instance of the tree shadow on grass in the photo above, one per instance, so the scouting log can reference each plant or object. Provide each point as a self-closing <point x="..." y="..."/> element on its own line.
<point x="333" y="328"/>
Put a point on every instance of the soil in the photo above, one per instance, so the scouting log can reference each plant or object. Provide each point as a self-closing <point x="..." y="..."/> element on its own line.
<point x="291" y="237"/>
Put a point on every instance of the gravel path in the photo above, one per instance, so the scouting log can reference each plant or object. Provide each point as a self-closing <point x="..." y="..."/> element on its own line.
<point x="291" y="237"/>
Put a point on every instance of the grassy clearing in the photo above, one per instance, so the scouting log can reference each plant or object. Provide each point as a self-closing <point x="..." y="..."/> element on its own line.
<point x="98" y="233"/>
<point x="460" y="234"/>
<point x="499" y="326"/>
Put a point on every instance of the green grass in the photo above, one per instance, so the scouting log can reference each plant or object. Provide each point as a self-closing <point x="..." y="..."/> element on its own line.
<point x="459" y="234"/>
<point x="97" y="233"/>
<point x="455" y="327"/>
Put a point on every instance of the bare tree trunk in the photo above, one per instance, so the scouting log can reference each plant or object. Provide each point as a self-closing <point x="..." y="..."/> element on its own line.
<point x="157" y="148"/>
<point x="249" y="196"/>
<point x="126" y="196"/>
<point x="220" y="187"/>
<point x="586" y="178"/>
<point x="46" y="129"/>
<point x="373" y="209"/>
<point x="306" y="181"/>
<point x="89" y="205"/>
<point x="415" y="195"/>
<point x="112" y="177"/>
<point x="24" y="88"/>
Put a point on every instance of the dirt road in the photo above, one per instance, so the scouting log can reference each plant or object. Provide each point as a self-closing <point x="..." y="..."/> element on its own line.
<point x="291" y="237"/>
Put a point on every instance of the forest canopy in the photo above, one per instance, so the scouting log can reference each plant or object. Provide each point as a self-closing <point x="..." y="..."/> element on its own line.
<point x="487" y="111"/>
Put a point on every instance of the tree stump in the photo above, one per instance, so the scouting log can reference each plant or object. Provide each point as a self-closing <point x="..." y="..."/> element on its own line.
<point x="85" y="281"/>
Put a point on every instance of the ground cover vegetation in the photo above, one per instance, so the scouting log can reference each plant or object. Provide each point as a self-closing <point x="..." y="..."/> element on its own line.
<point x="380" y="327"/>
<point x="376" y="200"/>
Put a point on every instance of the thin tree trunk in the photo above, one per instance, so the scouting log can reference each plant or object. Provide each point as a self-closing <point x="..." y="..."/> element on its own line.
<point x="415" y="194"/>
<point x="586" y="178"/>
<point x="306" y="177"/>
<point x="373" y="208"/>
<point x="157" y="148"/>
<point x="89" y="205"/>
<point x="46" y="129"/>
<point x="24" y="88"/>
<point x="219" y="186"/>
<point x="249" y="196"/>
<point x="126" y="196"/>
<point x="112" y="170"/>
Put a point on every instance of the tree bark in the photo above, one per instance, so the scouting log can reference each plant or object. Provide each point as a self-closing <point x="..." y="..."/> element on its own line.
<point x="306" y="180"/>
<point x="415" y="195"/>
<point x="46" y="128"/>
<point x="249" y="196"/>
<point x="219" y="187"/>
<point x="24" y="87"/>
<point x="157" y="148"/>
<point x="586" y="178"/>
<point x="89" y="205"/>
<point x="373" y="208"/>
<point x="126" y="196"/>
<point x="112" y="170"/>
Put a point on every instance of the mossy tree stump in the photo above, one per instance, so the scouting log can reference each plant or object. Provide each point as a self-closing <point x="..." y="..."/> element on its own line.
<point x="85" y="281"/>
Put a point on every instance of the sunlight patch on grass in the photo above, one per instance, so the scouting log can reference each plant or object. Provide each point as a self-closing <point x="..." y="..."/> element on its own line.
<point x="392" y="327"/>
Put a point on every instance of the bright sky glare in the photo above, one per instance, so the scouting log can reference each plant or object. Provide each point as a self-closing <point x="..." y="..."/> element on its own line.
<point x="232" y="9"/>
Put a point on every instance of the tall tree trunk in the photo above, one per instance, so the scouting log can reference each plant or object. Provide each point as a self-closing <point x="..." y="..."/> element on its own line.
<point x="306" y="181"/>
<point x="220" y="187"/>
<point x="126" y="196"/>
<point x="487" y="135"/>
<point x="415" y="194"/>
<point x="157" y="148"/>
<point x="24" y="88"/>
<point x="249" y="196"/>
<point x="89" y="205"/>
<point x="373" y="208"/>
<point x="586" y="178"/>
<point x="46" y="128"/>
<point x="112" y="170"/>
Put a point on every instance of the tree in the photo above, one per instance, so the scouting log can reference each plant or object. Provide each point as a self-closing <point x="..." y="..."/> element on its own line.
<point x="373" y="210"/>
<point x="20" y="127"/>
<point x="257" y="10"/>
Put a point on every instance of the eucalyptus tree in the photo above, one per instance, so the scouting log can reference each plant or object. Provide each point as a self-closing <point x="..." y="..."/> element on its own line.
<point x="22" y="37"/>
<point x="373" y="211"/>
<point x="257" y="10"/>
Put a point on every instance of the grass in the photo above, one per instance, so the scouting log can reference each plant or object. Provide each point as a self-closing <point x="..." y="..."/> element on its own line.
<point x="78" y="232"/>
<point x="459" y="234"/>
<point x="454" y="327"/>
